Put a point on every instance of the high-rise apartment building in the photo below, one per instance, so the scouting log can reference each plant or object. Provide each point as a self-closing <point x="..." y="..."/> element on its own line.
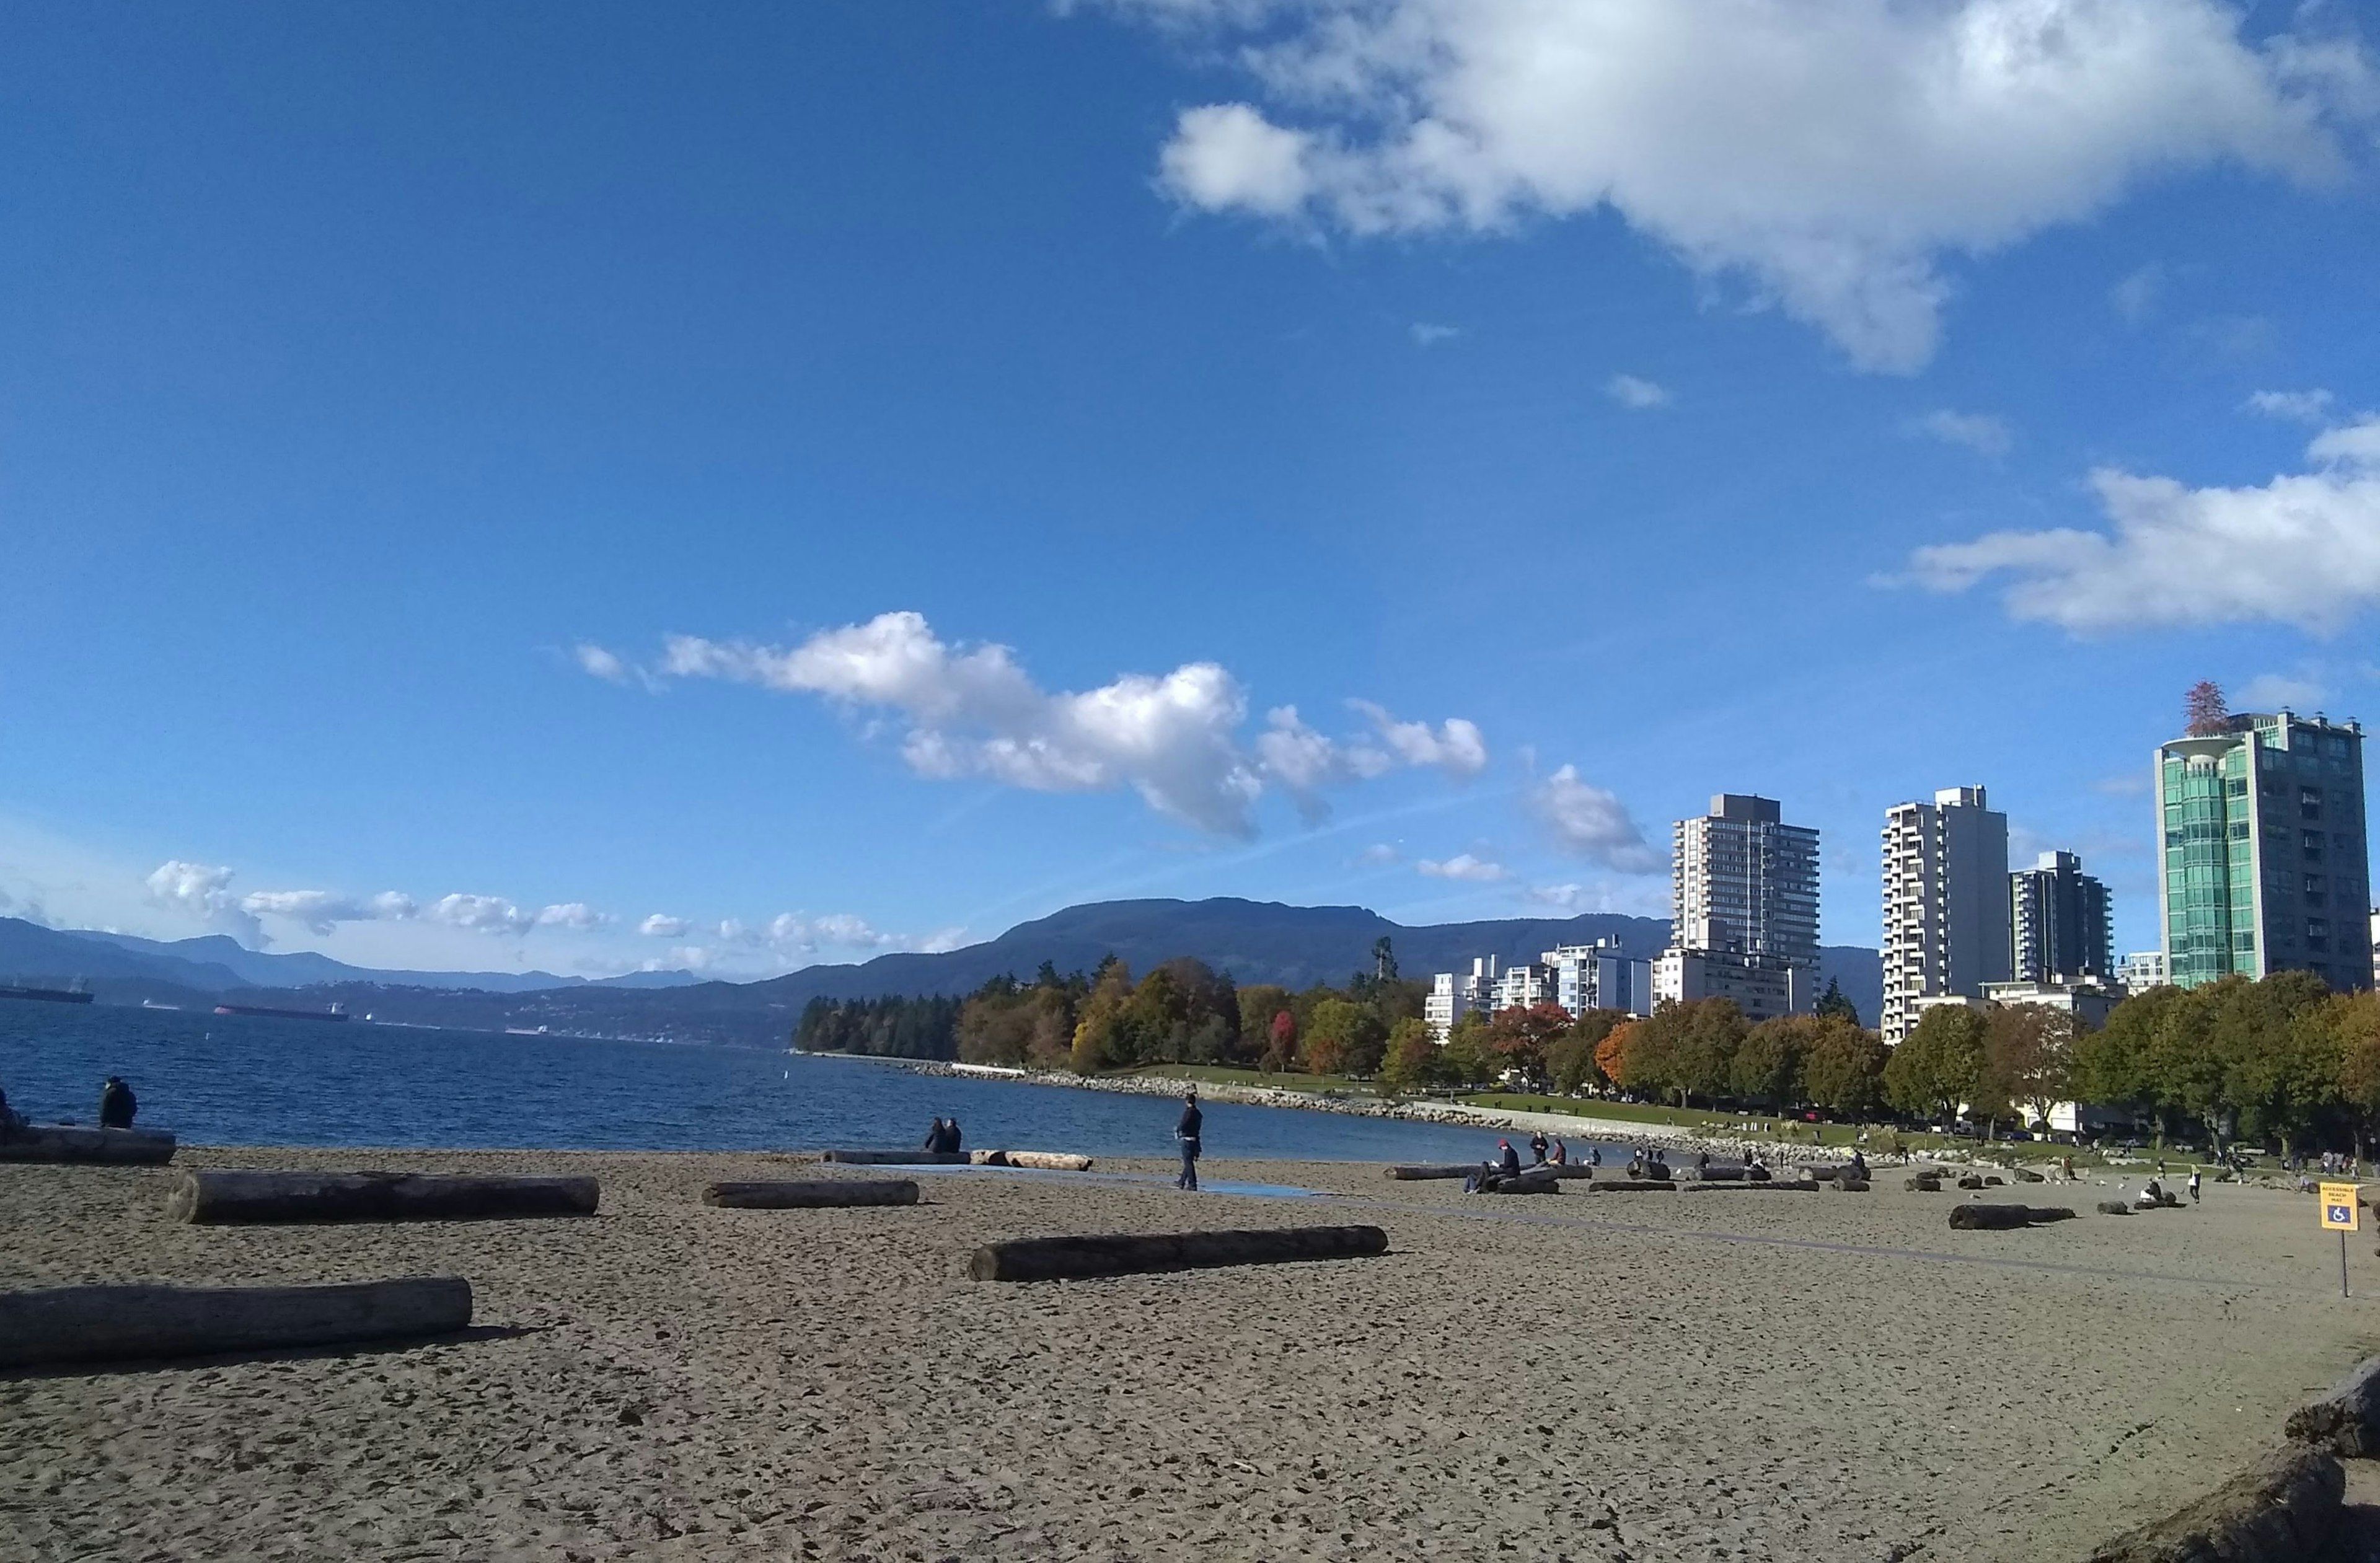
<point x="2264" y="863"/>
<point x="2059" y="925"/>
<point x="1600" y="977"/>
<point x="1745" y="883"/>
<point x="1946" y="902"/>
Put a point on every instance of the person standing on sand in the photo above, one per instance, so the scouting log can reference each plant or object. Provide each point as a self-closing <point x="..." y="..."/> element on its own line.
<point x="1186" y="1132"/>
<point x="2193" y="1185"/>
<point x="1537" y="1146"/>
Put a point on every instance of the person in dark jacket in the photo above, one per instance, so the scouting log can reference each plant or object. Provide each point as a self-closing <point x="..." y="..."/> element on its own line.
<point x="1537" y="1148"/>
<point x="1507" y="1160"/>
<point x="9" y="1119"/>
<point x="116" y="1103"/>
<point x="952" y="1140"/>
<point x="937" y="1137"/>
<point x="1186" y="1132"/>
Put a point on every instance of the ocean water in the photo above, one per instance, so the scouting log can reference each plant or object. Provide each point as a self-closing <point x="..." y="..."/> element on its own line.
<point x="250" y="1080"/>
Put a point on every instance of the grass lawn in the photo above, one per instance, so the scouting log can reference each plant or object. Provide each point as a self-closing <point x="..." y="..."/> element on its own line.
<point x="1224" y="1074"/>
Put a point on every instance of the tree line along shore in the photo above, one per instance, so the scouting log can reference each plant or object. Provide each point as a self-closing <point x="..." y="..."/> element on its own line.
<point x="2279" y="1060"/>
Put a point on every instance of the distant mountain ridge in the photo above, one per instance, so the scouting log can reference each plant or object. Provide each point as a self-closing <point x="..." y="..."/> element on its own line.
<point x="244" y="968"/>
<point x="1256" y="941"/>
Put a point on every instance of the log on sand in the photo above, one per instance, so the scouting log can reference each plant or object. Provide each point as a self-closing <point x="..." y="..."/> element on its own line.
<point x="896" y="1158"/>
<point x="2347" y="1421"/>
<point x="1631" y="1185"/>
<point x="67" y="1141"/>
<point x="1924" y="1184"/>
<point x="1132" y="1253"/>
<point x="1038" y="1161"/>
<point x="1521" y="1183"/>
<point x="2114" y="1207"/>
<point x="208" y="1198"/>
<point x="2285" y="1507"/>
<point x="84" y="1324"/>
<point x="1422" y="1174"/>
<point x="1848" y="1184"/>
<point x="1795" y="1185"/>
<point x="813" y="1193"/>
<point x="1999" y="1218"/>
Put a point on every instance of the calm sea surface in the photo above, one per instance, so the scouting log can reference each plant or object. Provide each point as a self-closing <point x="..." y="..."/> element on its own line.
<point x="240" y="1080"/>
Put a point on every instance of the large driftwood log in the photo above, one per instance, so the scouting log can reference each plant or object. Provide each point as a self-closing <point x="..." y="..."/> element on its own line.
<point x="1039" y="1161"/>
<point x="1521" y="1183"/>
<point x="2284" y="1510"/>
<point x="1924" y="1183"/>
<point x="897" y="1157"/>
<point x="1983" y="1218"/>
<point x="814" y="1194"/>
<point x="1631" y="1185"/>
<point x="2347" y="1421"/>
<point x="69" y="1142"/>
<point x="2114" y="1207"/>
<point x="1849" y="1184"/>
<point x="209" y="1198"/>
<point x="1128" y="1254"/>
<point x="1425" y="1174"/>
<point x="83" y="1324"/>
<point x="1794" y="1185"/>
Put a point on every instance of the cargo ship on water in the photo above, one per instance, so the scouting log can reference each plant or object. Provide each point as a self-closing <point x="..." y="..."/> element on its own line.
<point x="48" y="994"/>
<point x="335" y="1013"/>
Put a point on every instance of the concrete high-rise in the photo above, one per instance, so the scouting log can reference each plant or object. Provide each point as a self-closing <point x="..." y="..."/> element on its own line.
<point x="2059" y="927"/>
<point x="1946" y="902"/>
<point x="2264" y="861"/>
<point x="1745" y="883"/>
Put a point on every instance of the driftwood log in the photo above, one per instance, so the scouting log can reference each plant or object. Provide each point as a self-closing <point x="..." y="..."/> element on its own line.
<point x="814" y="1194"/>
<point x="1796" y="1185"/>
<point x="1521" y="1183"/>
<point x="2347" y="1421"/>
<point x="1425" y="1174"/>
<point x="213" y="1198"/>
<point x="897" y="1157"/>
<point x="2286" y="1508"/>
<point x="86" y="1323"/>
<point x="1038" y="1161"/>
<point x="1631" y="1185"/>
<point x="1849" y="1184"/>
<point x="1982" y="1218"/>
<point x="69" y="1142"/>
<point x="1971" y="1181"/>
<point x="2114" y="1207"/>
<point x="2026" y="1175"/>
<point x="1132" y="1253"/>
<point x="1924" y="1183"/>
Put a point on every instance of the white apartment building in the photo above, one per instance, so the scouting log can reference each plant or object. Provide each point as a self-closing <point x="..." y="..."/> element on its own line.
<point x="1946" y="904"/>
<point x="1522" y="986"/>
<point x="1600" y="977"/>
<point x="2142" y="969"/>
<point x="1762" y="986"/>
<point x="1743" y="881"/>
<point x="1454" y="995"/>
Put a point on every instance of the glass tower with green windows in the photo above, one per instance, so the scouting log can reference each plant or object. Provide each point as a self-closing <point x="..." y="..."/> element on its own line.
<point x="2265" y="865"/>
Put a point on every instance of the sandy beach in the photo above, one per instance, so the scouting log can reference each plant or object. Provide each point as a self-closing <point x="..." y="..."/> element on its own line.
<point x="1658" y="1376"/>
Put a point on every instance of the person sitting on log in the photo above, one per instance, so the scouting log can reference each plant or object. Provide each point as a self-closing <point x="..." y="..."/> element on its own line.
<point x="1659" y="1168"/>
<point x="1537" y="1148"/>
<point x="9" y="1119"/>
<point x="1702" y="1162"/>
<point x="1507" y="1160"/>
<point x="1637" y="1163"/>
<point x="1859" y="1165"/>
<point x="936" y="1138"/>
<point x="2152" y="1196"/>
<point x="950" y="1131"/>
<point x="1594" y="1155"/>
<point x="1560" y="1156"/>
<point x="116" y="1103"/>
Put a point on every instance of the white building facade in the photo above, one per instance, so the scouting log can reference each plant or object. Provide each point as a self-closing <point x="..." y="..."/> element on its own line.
<point x="1946" y="904"/>
<point x="1454" y="995"/>
<point x="1763" y="987"/>
<point x="1600" y="977"/>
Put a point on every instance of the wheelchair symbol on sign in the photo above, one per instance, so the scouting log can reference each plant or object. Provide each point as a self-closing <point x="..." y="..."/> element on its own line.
<point x="2340" y="1216"/>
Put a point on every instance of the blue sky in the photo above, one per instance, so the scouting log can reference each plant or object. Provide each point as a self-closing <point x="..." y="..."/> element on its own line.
<point x="480" y="486"/>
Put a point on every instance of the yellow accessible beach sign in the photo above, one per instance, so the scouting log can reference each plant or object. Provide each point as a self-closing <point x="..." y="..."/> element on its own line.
<point x="2339" y="1207"/>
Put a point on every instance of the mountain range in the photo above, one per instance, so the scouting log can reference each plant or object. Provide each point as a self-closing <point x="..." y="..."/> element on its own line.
<point x="1256" y="941"/>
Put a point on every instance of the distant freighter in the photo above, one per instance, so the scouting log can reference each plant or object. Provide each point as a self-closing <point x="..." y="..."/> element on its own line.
<point x="335" y="1013"/>
<point x="55" y="995"/>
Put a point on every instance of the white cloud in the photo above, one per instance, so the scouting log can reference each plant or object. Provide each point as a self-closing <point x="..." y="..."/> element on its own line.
<point x="2303" y="550"/>
<point x="1463" y="867"/>
<point x="2135" y="297"/>
<point x="1566" y="898"/>
<point x="1427" y="336"/>
<point x="321" y="911"/>
<point x="1454" y="746"/>
<point x="662" y="926"/>
<point x="942" y="940"/>
<point x="603" y="664"/>
<point x="2299" y="407"/>
<point x="2272" y="691"/>
<point x="202" y="891"/>
<point x="1831" y="155"/>
<point x="1589" y="822"/>
<point x="570" y="915"/>
<point x="1639" y="394"/>
<point x="973" y="712"/>
<point x="1377" y="854"/>
<point x="1980" y="433"/>
<point x="480" y="913"/>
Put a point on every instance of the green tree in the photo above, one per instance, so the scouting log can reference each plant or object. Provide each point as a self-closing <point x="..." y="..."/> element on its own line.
<point x="1343" y="1035"/>
<point x="2028" y="1059"/>
<point x="1098" y="1025"/>
<point x="1832" y="1005"/>
<point x="1705" y="1058"/>
<point x="1571" y="1060"/>
<point x="1412" y="1062"/>
<point x="1468" y="1058"/>
<point x="1768" y="1067"/>
<point x="1521" y="1038"/>
<point x="1842" y="1070"/>
<point x="2354" y="1022"/>
<point x="1938" y="1065"/>
<point x="2112" y="1065"/>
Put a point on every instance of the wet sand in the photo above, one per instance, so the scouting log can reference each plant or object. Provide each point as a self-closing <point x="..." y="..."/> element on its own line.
<point x="1650" y="1376"/>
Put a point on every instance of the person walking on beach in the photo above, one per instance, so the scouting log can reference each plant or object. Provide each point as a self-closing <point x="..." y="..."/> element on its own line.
<point x="116" y="1103"/>
<point x="2193" y="1185"/>
<point x="1186" y="1132"/>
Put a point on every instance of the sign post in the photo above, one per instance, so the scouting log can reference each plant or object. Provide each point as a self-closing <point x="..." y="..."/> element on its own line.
<point x="2339" y="1213"/>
